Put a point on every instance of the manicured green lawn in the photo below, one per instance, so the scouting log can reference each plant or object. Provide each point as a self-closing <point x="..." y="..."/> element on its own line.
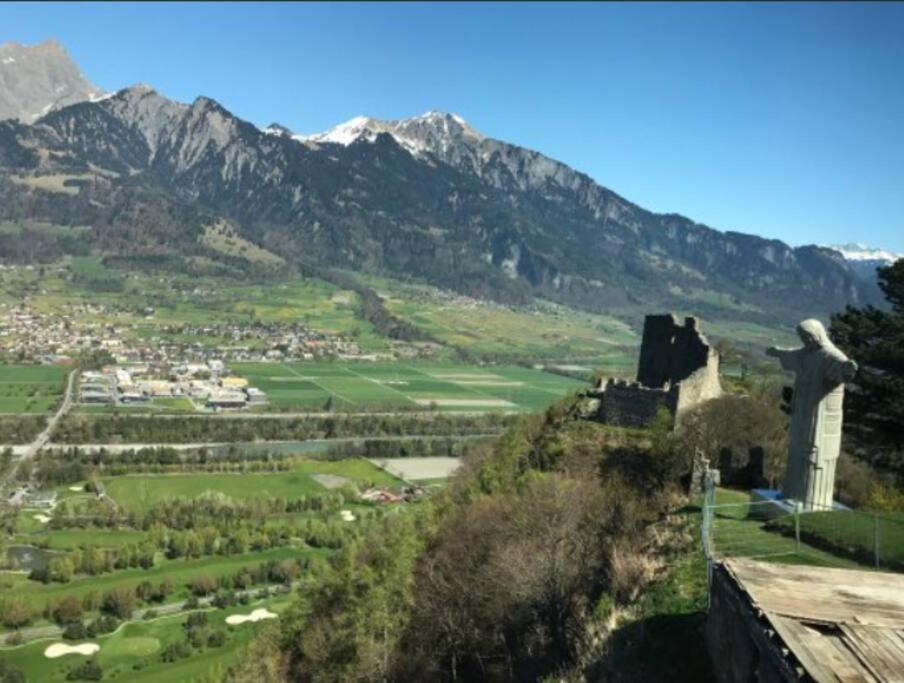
<point x="180" y="572"/>
<point x="132" y="653"/>
<point x="852" y="535"/>
<point x="740" y="529"/>
<point x="74" y="538"/>
<point x="138" y="492"/>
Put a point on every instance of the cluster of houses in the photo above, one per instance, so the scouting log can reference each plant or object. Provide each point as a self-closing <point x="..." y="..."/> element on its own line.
<point x="207" y="385"/>
<point x="30" y="335"/>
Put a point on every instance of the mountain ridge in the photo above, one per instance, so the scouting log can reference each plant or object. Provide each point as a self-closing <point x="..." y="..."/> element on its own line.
<point x="446" y="204"/>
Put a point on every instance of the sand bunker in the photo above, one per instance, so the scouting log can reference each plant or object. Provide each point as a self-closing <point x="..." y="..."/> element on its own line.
<point x="465" y="375"/>
<point x="331" y="481"/>
<point x="60" y="649"/>
<point x="77" y="488"/>
<point x="347" y="516"/>
<point x="43" y="519"/>
<point x="466" y="402"/>
<point x="489" y="383"/>
<point x="256" y="615"/>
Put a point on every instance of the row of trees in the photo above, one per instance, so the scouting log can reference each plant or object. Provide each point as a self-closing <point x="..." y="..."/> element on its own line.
<point x="120" y="602"/>
<point x="20" y="429"/>
<point x="80" y="428"/>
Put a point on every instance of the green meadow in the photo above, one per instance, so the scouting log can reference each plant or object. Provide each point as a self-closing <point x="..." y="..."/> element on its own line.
<point x="31" y="388"/>
<point x="140" y="491"/>
<point x="406" y="386"/>
<point x="180" y="572"/>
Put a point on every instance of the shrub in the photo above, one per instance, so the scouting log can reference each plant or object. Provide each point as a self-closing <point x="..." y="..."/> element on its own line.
<point x="175" y="651"/>
<point x="67" y="610"/>
<point x="196" y="619"/>
<point x="89" y="670"/>
<point x="223" y="600"/>
<point x="75" y="630"/>
<point x="9" y="674"/>
<point x="203" y="585"/>
<point x="16" y="612"/>
<point x="120" y="602"/>
<point x="216" y="639"/>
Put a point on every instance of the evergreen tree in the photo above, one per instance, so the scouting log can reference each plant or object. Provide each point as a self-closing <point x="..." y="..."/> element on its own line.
<point x="874" y="338"/>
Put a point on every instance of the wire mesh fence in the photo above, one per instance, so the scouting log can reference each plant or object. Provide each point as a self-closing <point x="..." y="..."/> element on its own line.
<point x="779" y="530"/>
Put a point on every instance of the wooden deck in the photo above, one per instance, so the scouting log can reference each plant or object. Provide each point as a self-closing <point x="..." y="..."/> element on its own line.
<point x="840" y="625"/>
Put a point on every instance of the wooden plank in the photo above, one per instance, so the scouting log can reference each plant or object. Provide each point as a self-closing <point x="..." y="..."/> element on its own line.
<point x="820" y="654"/>
<point x="880" y="650"/>
<point x="823" y="594"/>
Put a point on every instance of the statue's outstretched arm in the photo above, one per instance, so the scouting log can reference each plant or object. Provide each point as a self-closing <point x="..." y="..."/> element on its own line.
<point x="841" y="369"/>
<point x="789" y="358"/>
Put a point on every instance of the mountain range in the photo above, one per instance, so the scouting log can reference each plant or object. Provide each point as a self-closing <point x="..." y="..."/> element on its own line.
<point x="427" y="197"/>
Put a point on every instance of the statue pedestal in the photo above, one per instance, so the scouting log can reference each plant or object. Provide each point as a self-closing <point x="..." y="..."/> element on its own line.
<point x="770" y="504"/>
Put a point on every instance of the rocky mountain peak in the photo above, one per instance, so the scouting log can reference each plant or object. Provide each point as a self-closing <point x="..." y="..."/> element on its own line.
<point x="433" y="132"/>
<point x="278" y="130"/>
<point x="36" y="79"/>
<point x="147" y="111"/>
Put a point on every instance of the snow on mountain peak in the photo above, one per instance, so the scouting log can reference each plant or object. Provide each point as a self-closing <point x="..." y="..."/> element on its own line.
<point x="430" y="132"/>
<point x="860" y="252"/>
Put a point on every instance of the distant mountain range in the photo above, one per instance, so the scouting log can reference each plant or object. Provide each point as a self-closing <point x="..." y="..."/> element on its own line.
<point x="427" y="197"/>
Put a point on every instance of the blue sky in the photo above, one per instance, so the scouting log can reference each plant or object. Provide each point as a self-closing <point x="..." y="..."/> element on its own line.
<point x="785" y="120"/>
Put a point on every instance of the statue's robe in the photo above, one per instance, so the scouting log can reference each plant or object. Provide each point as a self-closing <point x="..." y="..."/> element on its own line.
<point x="814" y="440"/>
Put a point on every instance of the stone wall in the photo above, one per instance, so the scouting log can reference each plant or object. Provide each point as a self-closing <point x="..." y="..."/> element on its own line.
<point x="740" y="646"/>
<point x="669" y="352"/>
<point x="632" y="405"/>
<point x="678" y="369"/>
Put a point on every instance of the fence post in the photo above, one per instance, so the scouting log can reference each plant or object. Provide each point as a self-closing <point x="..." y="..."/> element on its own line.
<point x="876" y="538"/>
<point x="797" y="526"/>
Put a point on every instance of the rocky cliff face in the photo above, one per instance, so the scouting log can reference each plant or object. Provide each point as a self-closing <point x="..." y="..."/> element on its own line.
<point x="428" y="196"/>
<point x="37" y="79"/>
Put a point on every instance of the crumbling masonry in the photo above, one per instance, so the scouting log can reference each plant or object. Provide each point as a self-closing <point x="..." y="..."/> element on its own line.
<point x="678" y="369"/>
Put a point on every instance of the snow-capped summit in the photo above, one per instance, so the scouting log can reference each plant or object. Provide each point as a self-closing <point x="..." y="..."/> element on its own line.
<point x="432" y="132"/>
<point x="278" y="130"/>
<point x="860" y="252"/>
<point x="864" y="260"/>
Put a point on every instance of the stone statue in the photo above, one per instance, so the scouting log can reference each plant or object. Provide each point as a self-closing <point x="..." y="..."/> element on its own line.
<point x="814" y="440"/>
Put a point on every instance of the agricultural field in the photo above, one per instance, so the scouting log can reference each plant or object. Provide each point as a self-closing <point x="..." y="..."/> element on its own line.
<point x="140" y="491"/>
<point x="31" y="388"/>
<point x="133" y="652"/>
<point x="431" y="470"/>
<point x="546" y="331"/>
<point x="405" y="386"/>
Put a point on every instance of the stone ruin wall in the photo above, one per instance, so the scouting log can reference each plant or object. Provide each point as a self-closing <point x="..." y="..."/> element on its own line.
<point x="678" y="369"/>
<point x="632" y="405"/>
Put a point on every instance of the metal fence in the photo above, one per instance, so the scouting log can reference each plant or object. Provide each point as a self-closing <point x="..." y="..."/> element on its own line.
<point x="780" y="532"/>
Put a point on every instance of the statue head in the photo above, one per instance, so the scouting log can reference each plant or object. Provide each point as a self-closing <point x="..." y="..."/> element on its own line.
<point x="813" y="334"/>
